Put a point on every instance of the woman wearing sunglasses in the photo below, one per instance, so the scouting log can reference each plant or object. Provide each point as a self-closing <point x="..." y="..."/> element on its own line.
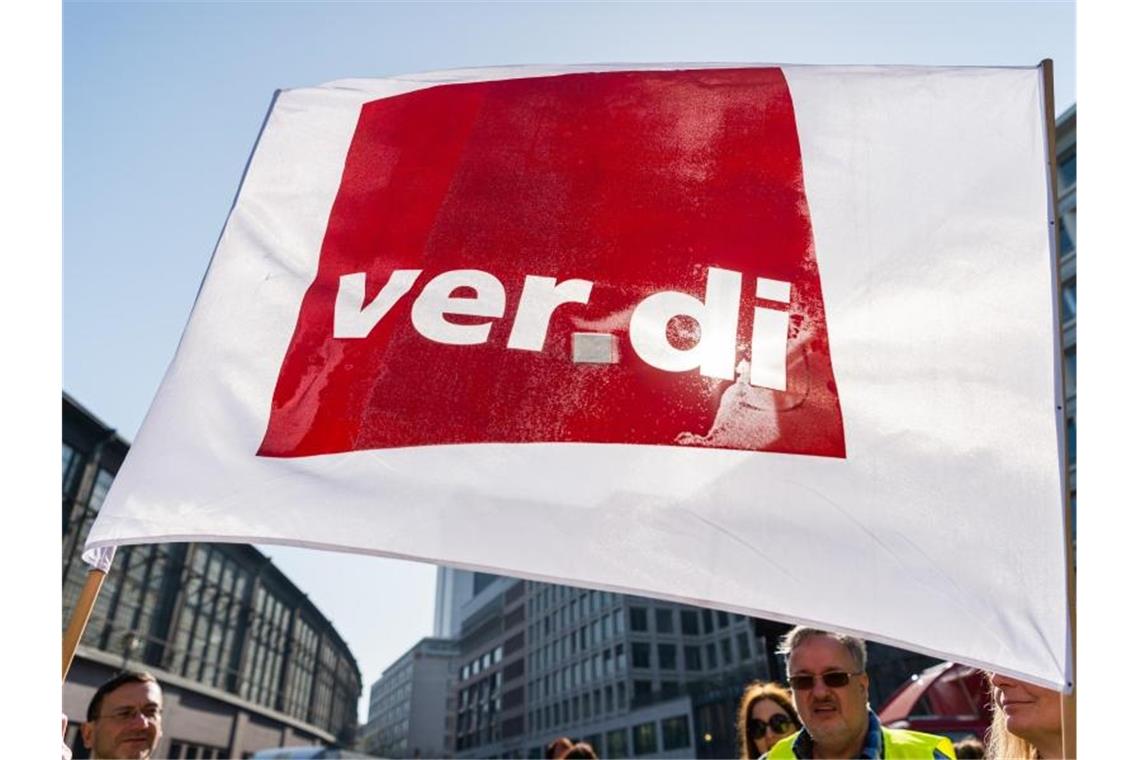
<point x="766" y="716"/>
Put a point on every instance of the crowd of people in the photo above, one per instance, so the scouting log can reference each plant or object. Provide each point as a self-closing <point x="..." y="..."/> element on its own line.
<point x="824" y="714"/>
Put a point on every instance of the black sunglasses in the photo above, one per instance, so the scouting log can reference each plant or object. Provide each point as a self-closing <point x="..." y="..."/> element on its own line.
<point x="779" y="723"/>
<point x="836" y="679"/>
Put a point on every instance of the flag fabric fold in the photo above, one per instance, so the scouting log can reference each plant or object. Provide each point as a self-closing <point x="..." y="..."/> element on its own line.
<point x="777" y="340"/>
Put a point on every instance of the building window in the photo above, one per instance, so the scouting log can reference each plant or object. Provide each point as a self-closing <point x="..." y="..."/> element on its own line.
<point x="70" y="467"/>
<point x="742" y="645"/>
<point x="1067" y="174"/>
<point x="640" y="654"/>
<point x="706" y="618"/>
<point x="645" y="738"/>
<point x="726" y="651"/>
<point x="710" y="656"/>
<point x="1071" y="439"/>
<point x="1071" y="372"/>
<point x="667" y="656"/>
<point x="692" y="658"/>
<point x="675" y="733"/>
<point x="617" y="744"/>
<point x="1068" y="301"/>
<point x="1068" y="223"/>
<point x="638" y="619"/>
<point x="690" y="623"/>
<point x="99" y="490"/>
<point x="664" y="620"/>
<point x="641" y="691"/>
<point x="669" y="689"/>
<point x="185" y="749"/>
<point x="721" y="619"/>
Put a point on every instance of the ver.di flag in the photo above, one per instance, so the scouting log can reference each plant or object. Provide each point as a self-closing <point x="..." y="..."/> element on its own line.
<point x="778" y="340"/>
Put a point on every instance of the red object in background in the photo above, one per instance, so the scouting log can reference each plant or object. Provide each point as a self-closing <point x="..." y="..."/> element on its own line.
<point x="637" y="181"/>
<point x="948" y="699"/>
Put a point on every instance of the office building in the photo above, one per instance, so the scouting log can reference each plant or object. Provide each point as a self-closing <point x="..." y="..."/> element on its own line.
<point x="407" y="705"/>
<point x="630" y="675"/>
<point x="246" y="661"/>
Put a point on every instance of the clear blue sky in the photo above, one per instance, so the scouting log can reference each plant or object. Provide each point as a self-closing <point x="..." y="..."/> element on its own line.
<point x="163" y="103"/>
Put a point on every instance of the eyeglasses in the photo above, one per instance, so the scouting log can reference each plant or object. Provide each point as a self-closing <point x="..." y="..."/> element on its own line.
<point x="779" y="723"/>
<point x="152" y="713"/>
<point x="836" y="679"/>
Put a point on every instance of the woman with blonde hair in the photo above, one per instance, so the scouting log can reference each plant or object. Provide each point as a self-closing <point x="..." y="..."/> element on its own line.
<point x="1027" y="722"/>
<point x="765" y="716"/>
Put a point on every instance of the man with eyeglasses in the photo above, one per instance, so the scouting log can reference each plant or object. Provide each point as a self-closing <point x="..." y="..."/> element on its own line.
<point x="827" y="672"/>
<point x="124" y="719"/>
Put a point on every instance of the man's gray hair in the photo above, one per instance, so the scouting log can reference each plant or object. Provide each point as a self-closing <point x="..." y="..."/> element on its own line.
<point x="793" y="638"/>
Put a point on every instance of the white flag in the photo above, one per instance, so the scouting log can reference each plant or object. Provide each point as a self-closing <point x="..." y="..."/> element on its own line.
<point x="777" y="340"/>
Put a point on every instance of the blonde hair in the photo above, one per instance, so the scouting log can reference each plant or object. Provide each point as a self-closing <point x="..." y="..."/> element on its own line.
<point x="1001" y="744"/>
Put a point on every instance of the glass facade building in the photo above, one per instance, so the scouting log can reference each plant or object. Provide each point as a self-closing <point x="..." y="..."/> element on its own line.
<point x="217" y="618"/>
<point x="632" y="676"/>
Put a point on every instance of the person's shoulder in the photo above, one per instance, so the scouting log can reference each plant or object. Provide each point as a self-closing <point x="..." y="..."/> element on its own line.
<point x="782" y="750"/>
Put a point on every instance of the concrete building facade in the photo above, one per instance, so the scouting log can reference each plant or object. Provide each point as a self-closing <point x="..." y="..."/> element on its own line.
<point x="408" y="704"/>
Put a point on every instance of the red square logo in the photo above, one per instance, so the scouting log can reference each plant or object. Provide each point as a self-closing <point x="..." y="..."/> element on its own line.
<point x="620" y="257"/>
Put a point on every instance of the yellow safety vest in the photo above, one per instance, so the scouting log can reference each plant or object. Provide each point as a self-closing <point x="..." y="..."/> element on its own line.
<point x="898" y="744"/>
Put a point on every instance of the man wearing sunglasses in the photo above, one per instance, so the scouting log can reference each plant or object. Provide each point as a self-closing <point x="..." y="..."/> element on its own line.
<point x="827" y="672"/>
<point x="124" y="718"/>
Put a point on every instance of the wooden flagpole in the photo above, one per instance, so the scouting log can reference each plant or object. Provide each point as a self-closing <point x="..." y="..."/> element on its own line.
<point x="95" y="576"/>
<point x="80" y="615"/>
<point x="1068" y="701"/>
